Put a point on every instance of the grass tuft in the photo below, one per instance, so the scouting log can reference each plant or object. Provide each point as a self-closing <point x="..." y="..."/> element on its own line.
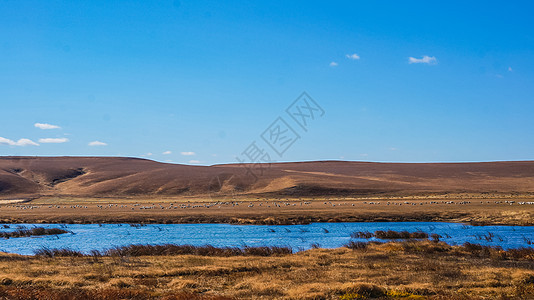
<point x="37" y="231"/>
<point x="167" y="250"/>
<point x="390" y="235"/>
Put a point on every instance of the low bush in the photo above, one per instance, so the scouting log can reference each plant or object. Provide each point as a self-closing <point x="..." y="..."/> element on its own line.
<point x="362" y="235"/>
<point x="361" y="291"/>
<point x="356" y="245"/>
<point x="400" y="235"/>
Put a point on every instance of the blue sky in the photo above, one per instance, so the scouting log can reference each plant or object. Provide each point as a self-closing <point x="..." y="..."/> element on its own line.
<point x="199" y="81"/>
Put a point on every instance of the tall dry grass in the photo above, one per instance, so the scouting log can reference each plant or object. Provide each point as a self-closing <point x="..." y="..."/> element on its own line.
<point x="167" y="250"/>
<point x="37" y="231"/>
<point x="394" y="270"/>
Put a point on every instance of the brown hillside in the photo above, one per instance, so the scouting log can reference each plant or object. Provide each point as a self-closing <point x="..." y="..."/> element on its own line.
<point x="116" y="176"/>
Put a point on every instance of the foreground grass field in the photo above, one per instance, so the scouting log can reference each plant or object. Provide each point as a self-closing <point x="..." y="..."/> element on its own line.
<point x="396" y="270"/>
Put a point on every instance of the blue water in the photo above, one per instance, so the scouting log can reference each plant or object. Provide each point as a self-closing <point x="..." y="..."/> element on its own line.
<point x="86" y="237"/>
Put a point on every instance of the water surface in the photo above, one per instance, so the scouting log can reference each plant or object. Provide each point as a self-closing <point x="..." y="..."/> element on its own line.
<point x="86" y="237"/>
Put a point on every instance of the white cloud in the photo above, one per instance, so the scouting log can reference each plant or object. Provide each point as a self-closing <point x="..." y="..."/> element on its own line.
<point x="333" y="64"/>
<point x="46" y="126"/>
<point x="53" y="140"/>
<point x="149" y="154"/>
<point x="4" y="141"/>
<point x="26" y="142"/>
<point x="431" y="60"/>
<point x="353" y="56"/>
<point x="97" y="143"/>
<point x="21" y="142"/>
<point x="194" y="161"/>
<point x="167" y="152"/>
<point x="190" y="153"/>
<point x="510" y="69"/>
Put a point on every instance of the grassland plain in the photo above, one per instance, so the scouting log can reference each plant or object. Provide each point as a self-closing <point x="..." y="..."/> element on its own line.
<point x="394" y="270"/>
<point x="477" y="209"/>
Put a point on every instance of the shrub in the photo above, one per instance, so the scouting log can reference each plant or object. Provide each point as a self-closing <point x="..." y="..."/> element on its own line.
<point x="362" y="290"/>
<point x="435" y="237"/>
<point x="356" y="245"/>
<point x="521" y="253"/>
<point x="362" y="235"/>
<point x="397" y="235"/>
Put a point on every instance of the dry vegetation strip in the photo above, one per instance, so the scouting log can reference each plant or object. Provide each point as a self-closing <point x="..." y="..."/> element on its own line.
<point x="37" y="231"/>
<point x="390" y="235"/>
<point x="86" y="210"/>
<point x="168" y="249"/>
<point x="396" y="270"/>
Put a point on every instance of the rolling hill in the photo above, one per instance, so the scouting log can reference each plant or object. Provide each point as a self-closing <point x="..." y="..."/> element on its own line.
<point x="118" y="176"/>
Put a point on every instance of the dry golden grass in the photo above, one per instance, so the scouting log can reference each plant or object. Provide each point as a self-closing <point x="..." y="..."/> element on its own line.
<point x="474" y="210"/>
<point x="409" y="270"/>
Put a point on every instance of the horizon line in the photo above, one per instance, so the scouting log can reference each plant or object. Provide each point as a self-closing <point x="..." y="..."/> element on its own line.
<point x="274" y="162"/>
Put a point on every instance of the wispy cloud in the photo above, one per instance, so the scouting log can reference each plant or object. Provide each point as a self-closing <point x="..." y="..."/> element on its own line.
<point x="431" y="60"/>
<point x="353" y="56"/>
<point x="510" y="69"/>
<point x="188" y="153"/>
<point x="53" y="140"/>
<point x="97" y="143"/>
<point x="167" y="152"/>
<point x="4" y="141"/>
<point x="26" y="142"/>
<point x="194" y="161"/>
<point x="333" y="64"/>
<point x="46" y="126"/>
<point x="21" y="142"/>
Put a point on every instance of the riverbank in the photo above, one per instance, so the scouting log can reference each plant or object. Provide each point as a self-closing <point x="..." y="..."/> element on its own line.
<point x="495" y="211"/>
<point x="414" y="269"/>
